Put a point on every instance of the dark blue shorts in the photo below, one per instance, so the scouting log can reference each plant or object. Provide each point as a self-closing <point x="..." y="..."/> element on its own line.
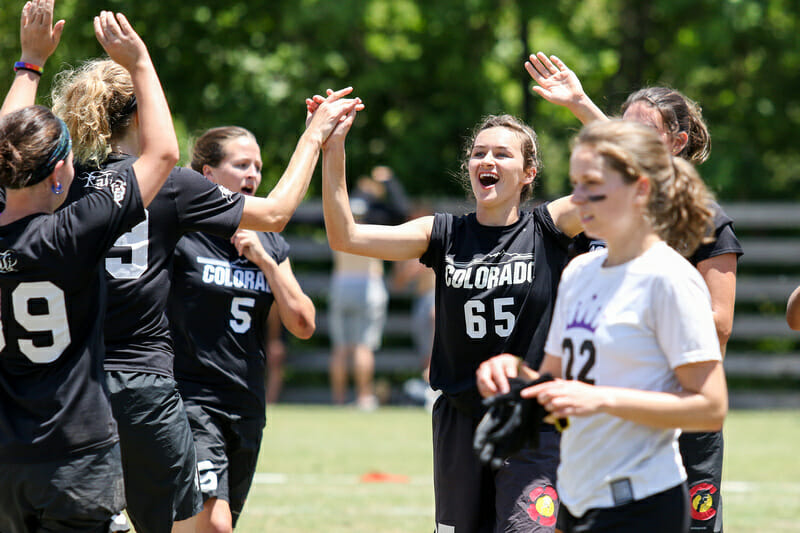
<point x="79" y="494"/>
<point x="158" y="455"/>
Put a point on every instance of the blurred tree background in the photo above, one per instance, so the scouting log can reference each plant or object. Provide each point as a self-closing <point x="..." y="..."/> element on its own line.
<point x="428" y="70"/>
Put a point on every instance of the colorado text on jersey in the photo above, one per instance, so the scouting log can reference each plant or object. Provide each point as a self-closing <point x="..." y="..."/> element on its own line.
<point x="225" y="274"/>
<point x="487" y="272"/>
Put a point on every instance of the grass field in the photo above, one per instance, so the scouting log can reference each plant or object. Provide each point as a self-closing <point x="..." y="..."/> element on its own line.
<point x="314" y="458"/>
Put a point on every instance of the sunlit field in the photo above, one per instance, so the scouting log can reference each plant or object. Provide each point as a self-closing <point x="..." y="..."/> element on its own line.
<point x="324" y="469"/>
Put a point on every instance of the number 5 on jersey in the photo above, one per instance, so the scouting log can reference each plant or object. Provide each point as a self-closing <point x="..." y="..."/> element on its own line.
<point x="241" y="320"/>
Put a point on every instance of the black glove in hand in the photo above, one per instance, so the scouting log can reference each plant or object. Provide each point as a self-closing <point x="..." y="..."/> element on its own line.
<point x="511" y="423"/>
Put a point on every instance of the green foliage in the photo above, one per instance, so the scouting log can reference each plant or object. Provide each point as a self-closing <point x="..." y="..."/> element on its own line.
<point x="428" y="70"/>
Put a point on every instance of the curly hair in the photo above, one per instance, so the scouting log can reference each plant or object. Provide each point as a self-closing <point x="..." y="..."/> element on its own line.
<point x="98" y="103"/>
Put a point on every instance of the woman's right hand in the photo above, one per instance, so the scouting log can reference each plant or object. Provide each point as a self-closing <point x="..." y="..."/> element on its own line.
<point x="493" y="374"/>
<point x="118" y="38"/>
<point x="556" y="82"/>
<point x="38" y="36"/>
<point x="332" y="113"/>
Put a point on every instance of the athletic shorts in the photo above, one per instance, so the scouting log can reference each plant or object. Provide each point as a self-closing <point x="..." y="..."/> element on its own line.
<point x="227" y="453"/>
<point x="158" y="455"/>
<point x="357" y="310"/>
<point x="519" y="497"/>
<point x="79" y="494"/>
<point x="702" y="457"/>
<point x="665" y="512"/>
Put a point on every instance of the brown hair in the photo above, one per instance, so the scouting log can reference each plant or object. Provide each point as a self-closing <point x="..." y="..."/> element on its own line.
<point x="679" y="203"/>
<point x="209" y="149"/>
<point x="680" y="114"/>
<point x="528" y="144"/>
<point x="28" y="137"/>
<point x="97" y="102"/>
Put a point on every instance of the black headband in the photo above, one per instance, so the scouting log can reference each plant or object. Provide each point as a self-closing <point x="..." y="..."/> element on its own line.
<point x="128" y="109"/>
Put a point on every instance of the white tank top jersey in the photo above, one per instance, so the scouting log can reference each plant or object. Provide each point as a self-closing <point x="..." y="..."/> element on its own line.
<point x="626" y="326"/>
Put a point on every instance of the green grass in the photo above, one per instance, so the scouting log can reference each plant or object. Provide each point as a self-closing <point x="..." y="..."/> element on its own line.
<point x="313" y="457"/>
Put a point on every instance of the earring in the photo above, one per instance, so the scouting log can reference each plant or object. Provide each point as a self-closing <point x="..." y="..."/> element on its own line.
<point x="57" y="188"/>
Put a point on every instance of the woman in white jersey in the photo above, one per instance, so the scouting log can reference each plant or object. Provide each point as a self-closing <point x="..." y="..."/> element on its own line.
<point x="632" y="337"/>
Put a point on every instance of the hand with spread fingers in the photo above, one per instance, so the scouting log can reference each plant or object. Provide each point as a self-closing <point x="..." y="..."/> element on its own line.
<point x="38" y="36"/>
<point x="559" y="85"/>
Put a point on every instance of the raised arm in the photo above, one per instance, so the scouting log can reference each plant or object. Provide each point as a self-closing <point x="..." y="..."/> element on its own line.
<point x="295" y="308"/>
<point x="38" y="38"/>
<point x="158" y="144"/>
<point x="394" y="243"/>
<point x="273" y="212"/>
<point x="559" y="85"/>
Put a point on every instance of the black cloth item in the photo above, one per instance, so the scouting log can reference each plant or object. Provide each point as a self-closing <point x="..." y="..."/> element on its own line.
<point x="510" y="424"/>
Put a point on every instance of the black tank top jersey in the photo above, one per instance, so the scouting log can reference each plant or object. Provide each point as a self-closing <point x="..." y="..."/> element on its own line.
<point x="53" y="399"/>
<point x="218" y="311"/>
<point x="495" y="290"/>
<point x="138" y="266"/>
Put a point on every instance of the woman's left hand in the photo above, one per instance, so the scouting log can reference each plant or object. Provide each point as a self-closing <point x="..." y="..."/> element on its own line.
<point x="565" y="398"/>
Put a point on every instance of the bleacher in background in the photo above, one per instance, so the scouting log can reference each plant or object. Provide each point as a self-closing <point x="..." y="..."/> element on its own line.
<point x="763" y="353"/>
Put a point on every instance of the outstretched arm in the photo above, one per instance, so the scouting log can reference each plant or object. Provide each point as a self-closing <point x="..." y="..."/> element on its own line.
<point x="38" y="38"/>
<point x="273" y="212"/>
<point x="394" y="243"/>
<point x="559" y="85"/>
<point x="158" y="144"/>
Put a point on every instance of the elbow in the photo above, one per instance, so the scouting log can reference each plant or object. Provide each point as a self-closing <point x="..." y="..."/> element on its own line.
<point x="305" y="328"/>
<point x="793" y="321"/>
<point x="171" y="155"/>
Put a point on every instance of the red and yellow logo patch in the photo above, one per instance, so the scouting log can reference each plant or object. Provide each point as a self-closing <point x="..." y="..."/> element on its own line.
<point x="544" y="502"/>
<point x="701" y="497"/>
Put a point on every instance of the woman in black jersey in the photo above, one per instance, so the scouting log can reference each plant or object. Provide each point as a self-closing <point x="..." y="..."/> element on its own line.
<point x="101" y="108"/>
<point x="497" y="270"/>
<point x="99" y="105"/>
<point x="222" y="291"/>
<point x="679" y="122"/>
<point x="59" y="448"/>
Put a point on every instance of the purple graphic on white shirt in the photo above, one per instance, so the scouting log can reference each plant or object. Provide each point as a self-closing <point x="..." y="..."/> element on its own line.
<point x="585" y="315"/>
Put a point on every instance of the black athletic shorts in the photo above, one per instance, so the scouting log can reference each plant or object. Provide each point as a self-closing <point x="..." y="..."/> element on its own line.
<point x="665" y="512"/>
<point x="158" y="456"/>
<point x="79" y="494"/>
<point x="702" y="457"/>
<point x="227" y="452"/>
<point x="519" y="497"/>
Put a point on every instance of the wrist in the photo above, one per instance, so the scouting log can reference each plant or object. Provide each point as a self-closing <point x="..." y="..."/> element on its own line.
<point x="29" y="66"/>
<point x="313" y="137"/>
<point x="33" y="58"/>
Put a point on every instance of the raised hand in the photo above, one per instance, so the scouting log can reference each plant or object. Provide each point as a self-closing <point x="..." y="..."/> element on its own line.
<point x="248" y="245"/>
<point x="332" y="113"/>
<point x="556" y="82"/>
<point x="117" y="37"/>
<point x="37" y="34"/>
